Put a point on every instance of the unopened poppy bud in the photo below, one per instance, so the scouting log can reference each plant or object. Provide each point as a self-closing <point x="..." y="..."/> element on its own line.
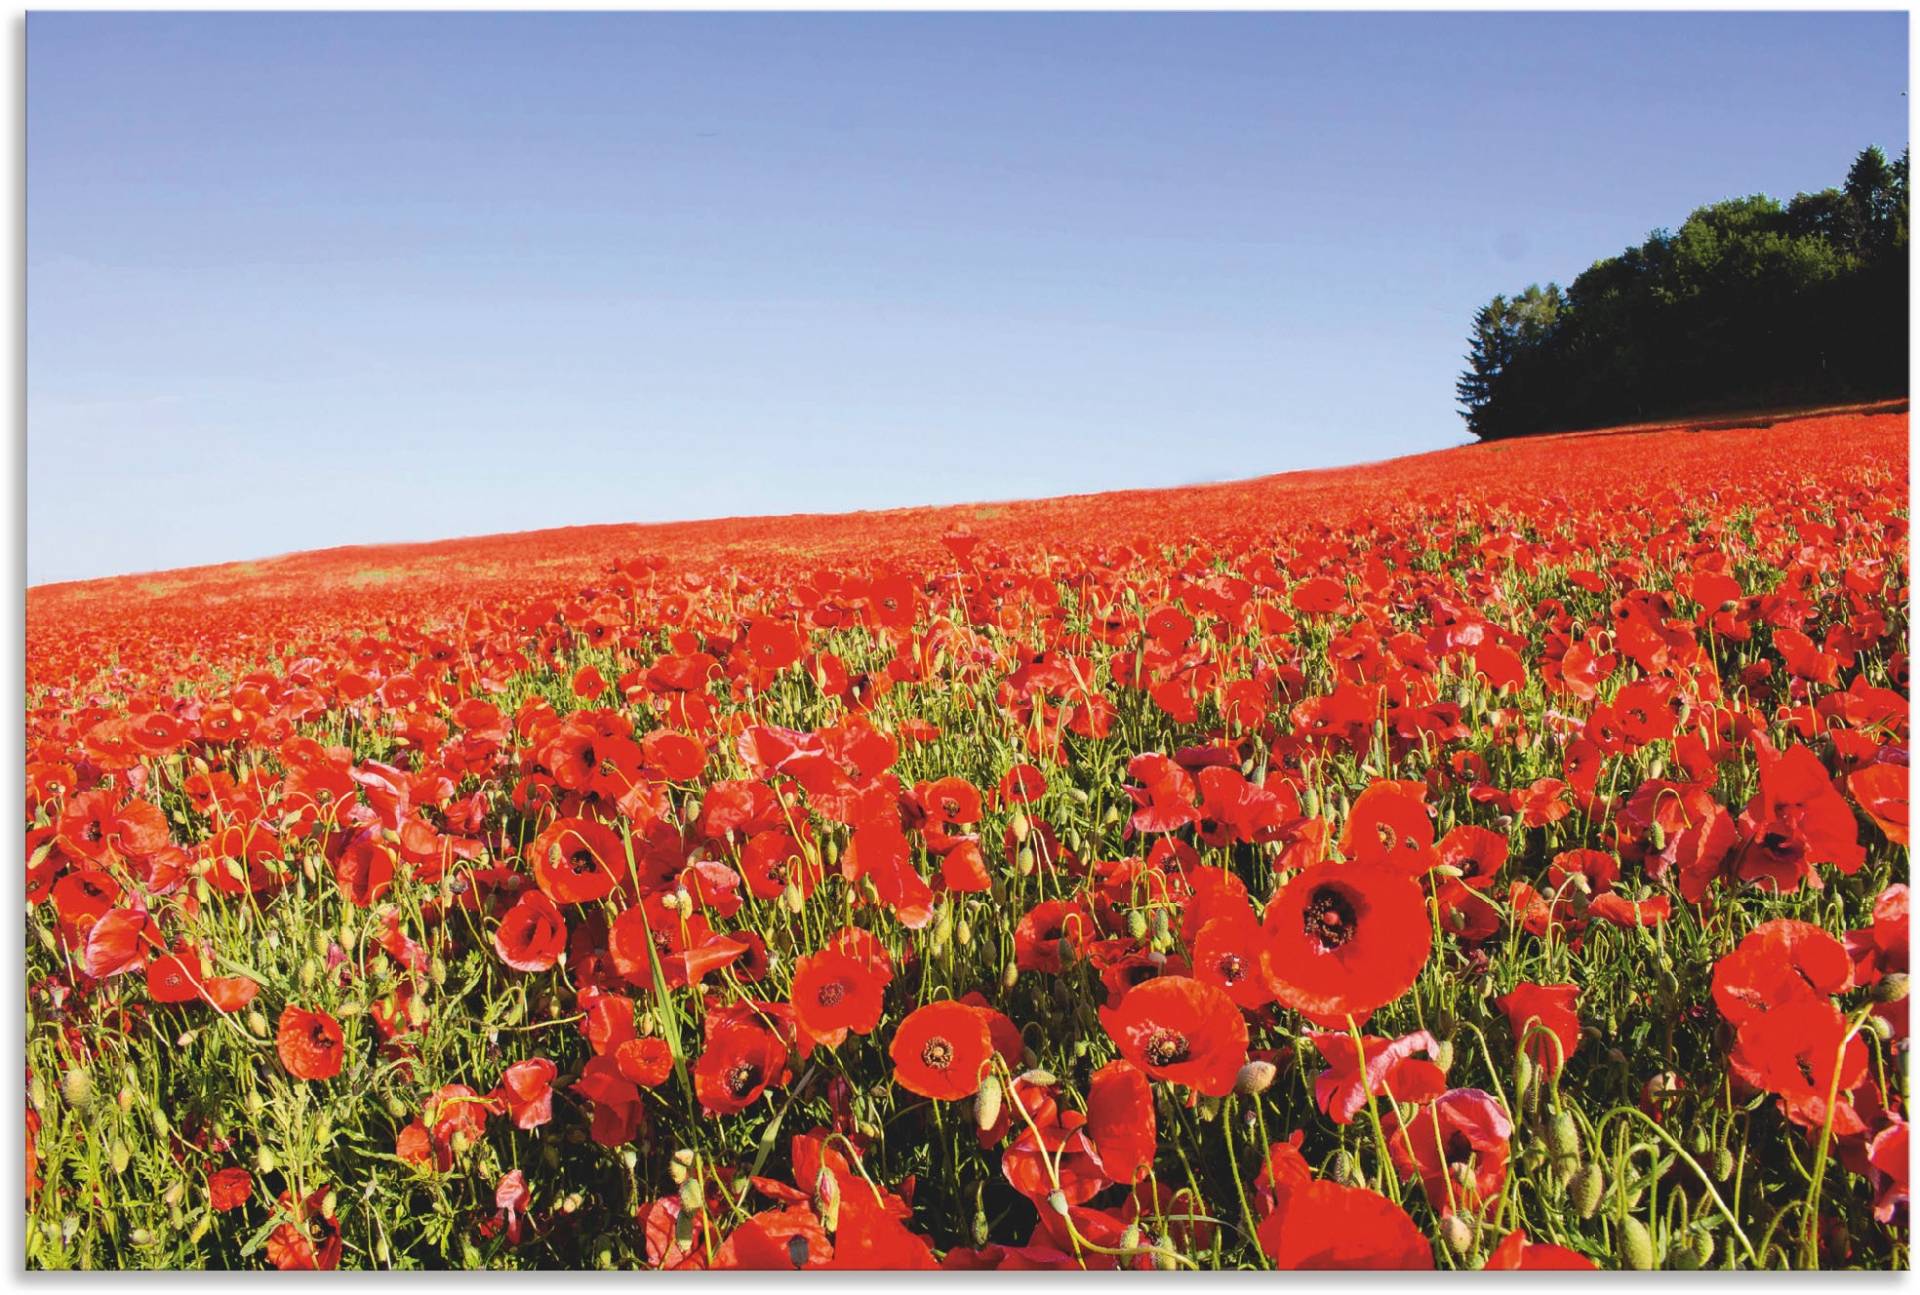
<point x="1057" y="1202"/>
<point x="118" y="1156"/>
<point x="1020" y="826"/>
<point x="1023" y="861"/>
<point x="980" y="1231"/>
<point x="1457" y="1233"/>
<point x="266" y="1161"/>
<point x="1254" y="1078"/>
<point x="1010" y="976"/>
<point x="1636" y="1245"/>
<point x="460" y="1142"/>
<point x="1563" y="1135"/>
<point x="77" y="1087"/>
<point x="1039" y="1077"/>
<point x="964" y="933"/>
<point x="1343" y="1170"/>
<point x="140" y="1237"/>
<point x="1443" y="1055"/>
<point x="1589" y="1185"/>
<point x="826" y="1199"/>
<point x="1523" y="1075"/>
<point x="793" y="899"/>
<point x="175" y="1194"/>
<point x="680" y="1165"/>
<point x="571" y="1202"/>
<point x="1722" y="1163"/>
<point x="693" y="1197"/>
<point x="1137" y="925"/>
<point x="1881" y="1027"/>
<point x="986" y="1104"/>
<point x="1892" y="988"/>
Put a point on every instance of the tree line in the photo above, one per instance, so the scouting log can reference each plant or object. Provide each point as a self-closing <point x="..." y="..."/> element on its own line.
<point x="1748" y="305"/>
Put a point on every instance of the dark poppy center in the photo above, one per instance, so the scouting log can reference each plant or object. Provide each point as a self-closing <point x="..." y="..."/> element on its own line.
<point x="741" y="1077"/>
<point x="582" y="862"/>
<point x="1167" y="1048"/>
<point x="831" y="992"/>
<point x="938" y="1053"/>
<point x="1329" y="918"/>
<point x="1233" y="969"/>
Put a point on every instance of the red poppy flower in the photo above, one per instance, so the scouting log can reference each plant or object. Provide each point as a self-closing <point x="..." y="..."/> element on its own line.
<point x="1457" y="1144"/>
<point x="1182" y="1031"/>
<point x="1802" y="1050"/>
<point x="309" y="1239"/>
<point x="532" y="934"/>
<point x="834" y="993"/>
<point x="1516" y="1253"/>
<point x="311" y="1044"/>
<point x="1227" y="955"/>
<point x="1550" y="1006"/>
<point x="1389" y="825"/>
<point x="617" y="1110"/>
<point x="1777" y="963"/>
<point x="1120" y="1120"/>
<point x="1392" y="1071"/>
<point x="1323" y="1225"/>
<point x="941" y="1051"/>
<point x="228" y="1189"/>
<point x="577" y="861"/>
<point x="741" y="1062"/>
<point x="526" y="1090"/>
<point x="1345" y="939"/>
<point x="647" y="1061"/>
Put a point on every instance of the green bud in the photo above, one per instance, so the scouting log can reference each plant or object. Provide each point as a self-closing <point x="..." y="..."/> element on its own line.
<point x="1636" y="1245"/>
<point x="1587" y="1188"/>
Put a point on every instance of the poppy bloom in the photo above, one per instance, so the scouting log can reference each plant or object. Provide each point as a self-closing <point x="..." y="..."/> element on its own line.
<point x="646" y="1061"/>
<point x="1458" y="1146"/>
<point x="741" y="1062"/>
<point x="617" y="1112"/>
<point x="526" y="1089"/>
<point x="1326" y="1226"/>
<point x="1549" y="1006"/>
<point x="1516" y="1253"/>
<point x="941" y="1051"/>
<point x="834" y="993"/>
<point x="1226" y="954"/>
<point x="577" y="861"/>
<point x="309" y="1239"/>
<point x="228" y="1189"/>
<point x="1779" y="962"/>
<point x="310" y="1043"/>
<point x="1120" y="1120"/>
<point x="1392" y="1070"/>
<point x="532" y="934"/>
<point x="1803" y="1050"/>
<point x="1181" y="1030"/>
<point x="1389" y="825"/>
<point x="1345" y="939"/>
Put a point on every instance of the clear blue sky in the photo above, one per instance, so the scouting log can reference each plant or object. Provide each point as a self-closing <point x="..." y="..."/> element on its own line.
<point x="305" y="280"/>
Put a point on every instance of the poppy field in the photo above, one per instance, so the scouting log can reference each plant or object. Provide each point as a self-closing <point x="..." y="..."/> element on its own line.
<point x="1495" y="858"/>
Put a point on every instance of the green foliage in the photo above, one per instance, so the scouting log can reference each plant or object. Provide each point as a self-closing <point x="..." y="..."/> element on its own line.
<point x="1747" y="304"/>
